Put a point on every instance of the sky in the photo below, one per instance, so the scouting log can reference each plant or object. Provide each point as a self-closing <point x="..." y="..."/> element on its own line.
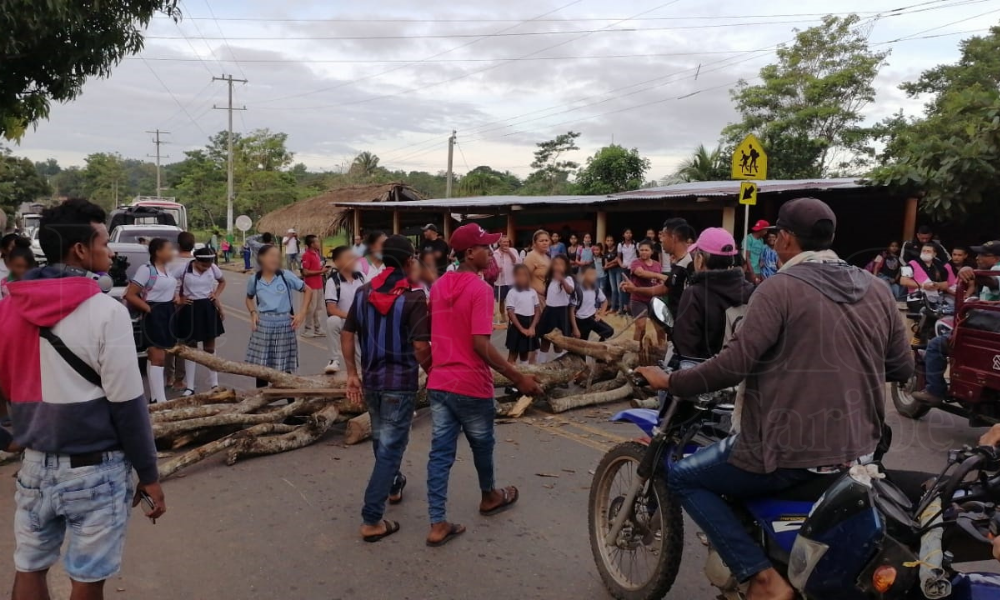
<point x="396" y="77"/>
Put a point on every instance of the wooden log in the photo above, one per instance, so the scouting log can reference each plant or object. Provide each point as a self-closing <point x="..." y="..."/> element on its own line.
<point x="275" y="378"/>
<point x="296" y="408"/>
<point x="359" y="429"/>
<point x="598" y="350"/>
<point x="216" y="397"/>
<point x="305" y="392"/>
<point x="559" y="405"/>
<point x="196" y="438"/>
<point x="193" y="412"/>
<point x="520" y="406"/>
<point x="317" y="425"/>
<point x="600" y="386"/>
<point x="202" y="452"/>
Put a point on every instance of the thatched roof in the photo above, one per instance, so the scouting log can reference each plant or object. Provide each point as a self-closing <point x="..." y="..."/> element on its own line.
<point x="318" y="215"/>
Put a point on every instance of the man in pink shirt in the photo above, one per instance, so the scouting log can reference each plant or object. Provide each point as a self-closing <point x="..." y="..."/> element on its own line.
<point x="460" y="384"/>
<point x="312" y="275"/>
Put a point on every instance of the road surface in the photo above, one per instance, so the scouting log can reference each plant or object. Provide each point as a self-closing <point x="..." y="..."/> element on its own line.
<point x="286" y="526"/>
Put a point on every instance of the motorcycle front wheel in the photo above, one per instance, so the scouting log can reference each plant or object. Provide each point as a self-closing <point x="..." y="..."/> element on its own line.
<point x="903" y="400"/>
<point x="644" y="561"/>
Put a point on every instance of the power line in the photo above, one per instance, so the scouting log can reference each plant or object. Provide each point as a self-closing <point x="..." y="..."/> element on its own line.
<point x="183" y="108"/>
<point x="228" y="47"/>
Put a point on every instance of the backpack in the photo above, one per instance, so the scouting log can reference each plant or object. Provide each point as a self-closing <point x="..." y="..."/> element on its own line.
<point x="151" y="282"/>
<point x="577" y="298"/>
<point x="288" y="288"/>
<point x="337" y="281"/>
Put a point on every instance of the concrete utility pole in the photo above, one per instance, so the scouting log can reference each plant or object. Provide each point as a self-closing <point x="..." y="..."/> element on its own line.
<point x="158" y="142"/>
<point x="451" y="159"/>
<point x="229" y="194"/>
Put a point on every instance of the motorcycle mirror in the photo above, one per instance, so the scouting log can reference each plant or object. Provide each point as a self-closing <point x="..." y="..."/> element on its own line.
<point x="660" y="313"/>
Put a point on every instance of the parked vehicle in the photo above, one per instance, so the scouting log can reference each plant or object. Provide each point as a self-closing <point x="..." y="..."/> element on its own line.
<point x="168" y="205"/>
<point x="139" y="215"/>
<point x="861" y="535"/>
<point x="974" y="388"/>
<point x="132" y="234"/>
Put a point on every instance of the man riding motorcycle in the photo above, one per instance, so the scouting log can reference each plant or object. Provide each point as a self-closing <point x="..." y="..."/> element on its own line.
<point x="815" y="348"/>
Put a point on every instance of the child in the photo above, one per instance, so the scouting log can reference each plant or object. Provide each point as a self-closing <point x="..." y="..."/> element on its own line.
<point x="645" y="272"/>
<point x="153" y="292"/>
<point x="341" y="288"/>
<point x="200" y="316"/>
<point x="589" y="307"/>
<point x="246" y="257"/>
<point x="523" y="313"/>
<point x="18" y="261"/>
<point x="559" y="285"/>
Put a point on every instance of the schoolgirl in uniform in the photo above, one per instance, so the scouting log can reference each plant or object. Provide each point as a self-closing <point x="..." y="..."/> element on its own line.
<point x="559" y="286"/>
<point x="589" y="307"/>
<point x="153" y="292"/>
<point x="523" y="314"/>
<point x="200" y="285"/>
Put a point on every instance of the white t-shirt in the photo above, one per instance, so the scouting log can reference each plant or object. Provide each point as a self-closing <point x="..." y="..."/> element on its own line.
<point x="628" y="253"/>
<point x="590" y="301"/>
<point x="345" y="298"/>
<point x="291" y="244"/>
<point x="164" y="286"/>
<point x="197" y="286"/>
<point x="523" y="302"/>
<point x="556" y="295"/>
<point x="370" y="271"/>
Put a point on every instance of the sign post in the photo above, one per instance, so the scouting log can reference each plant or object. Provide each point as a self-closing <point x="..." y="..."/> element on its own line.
<point x="244" y="223"/>
<point x="749" y="163"/>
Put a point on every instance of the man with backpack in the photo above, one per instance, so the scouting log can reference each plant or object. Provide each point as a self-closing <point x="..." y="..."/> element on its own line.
<point x="341" y="288"/>
<point x="68" y="367"/>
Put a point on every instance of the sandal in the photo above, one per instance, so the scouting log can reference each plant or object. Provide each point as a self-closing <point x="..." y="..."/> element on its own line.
<point x="510" y="496"/>
<point x="396" y="493"/>
<point x="454" y="531"/>
<point x="391" y="527"/>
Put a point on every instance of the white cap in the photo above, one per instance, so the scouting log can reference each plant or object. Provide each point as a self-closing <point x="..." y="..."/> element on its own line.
<point x="291" y="231"/>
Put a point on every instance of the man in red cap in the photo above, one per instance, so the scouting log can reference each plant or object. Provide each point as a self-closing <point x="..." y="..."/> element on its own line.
<point x="753" y="247"/>
<point x="460" y="384"/>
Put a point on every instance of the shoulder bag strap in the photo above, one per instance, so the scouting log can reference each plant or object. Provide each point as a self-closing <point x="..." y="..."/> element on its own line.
<point x="74" y="361"/>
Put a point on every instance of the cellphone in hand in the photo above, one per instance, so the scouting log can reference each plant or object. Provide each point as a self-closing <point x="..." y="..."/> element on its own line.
<point x="148" y="501"/>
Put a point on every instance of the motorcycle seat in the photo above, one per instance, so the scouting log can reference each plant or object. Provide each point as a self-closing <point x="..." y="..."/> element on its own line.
<point x="809" y="491"/>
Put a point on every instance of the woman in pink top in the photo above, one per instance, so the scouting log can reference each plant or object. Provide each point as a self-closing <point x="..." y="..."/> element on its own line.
<point x="645" y="272"/>
<point x="506" y="258"/>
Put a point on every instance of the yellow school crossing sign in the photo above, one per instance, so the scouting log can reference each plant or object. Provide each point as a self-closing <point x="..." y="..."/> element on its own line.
<point x="749" y="160"/>
<point x="748" y="193"/>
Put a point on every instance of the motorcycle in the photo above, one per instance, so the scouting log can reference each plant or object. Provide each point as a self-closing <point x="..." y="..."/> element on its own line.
<point x="865" y="534"/>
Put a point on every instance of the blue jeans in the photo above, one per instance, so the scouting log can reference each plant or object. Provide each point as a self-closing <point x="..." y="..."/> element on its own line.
<point x="618" y="297"/>
<point x="935" y="364"/>
<point x="451" y="414"/>
<point x="392" y="415"/>
<point x="898" y="291"/>
<point x="699" y="482"/>
<point x="90" y="505"/>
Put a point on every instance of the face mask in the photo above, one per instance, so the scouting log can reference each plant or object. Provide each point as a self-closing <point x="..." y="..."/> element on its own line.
<point x="377" y="255"/>
<point x="926" y="256"/>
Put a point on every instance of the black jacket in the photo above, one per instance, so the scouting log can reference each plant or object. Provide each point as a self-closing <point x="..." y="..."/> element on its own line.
<point x="701" y="318"/>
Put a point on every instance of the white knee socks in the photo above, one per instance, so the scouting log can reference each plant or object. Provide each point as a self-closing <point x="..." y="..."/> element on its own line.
<point x="157" y="386"/>
<point x="190" y="370"/>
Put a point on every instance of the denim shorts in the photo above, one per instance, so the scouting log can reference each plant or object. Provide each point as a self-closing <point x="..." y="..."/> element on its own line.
<point x="90" y="504"/>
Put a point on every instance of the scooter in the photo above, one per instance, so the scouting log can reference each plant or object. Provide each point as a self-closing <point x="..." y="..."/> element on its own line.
<point x="861" y="535"/>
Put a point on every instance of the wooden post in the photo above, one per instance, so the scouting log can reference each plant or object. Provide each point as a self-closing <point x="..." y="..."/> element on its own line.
<point x="356" y="217"/>
<point x="511" y="230"/>
<point x="729" y="219"/>
<point x="395" y="222"/>
<point x="602" y="226"/>
<point x="910" y="218"/>
<point x="447" y="226"/>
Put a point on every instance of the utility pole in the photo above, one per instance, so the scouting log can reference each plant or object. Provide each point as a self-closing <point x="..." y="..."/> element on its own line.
<point x="156" y="140"/>
<point x="229" y="194"/>
<point x="451" y="159"/>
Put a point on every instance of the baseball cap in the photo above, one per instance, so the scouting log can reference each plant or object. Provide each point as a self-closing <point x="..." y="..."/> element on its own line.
<point x="430" y="227"/>
<point x="991" y="248"/>
<point x="471" y="235"/>
<point x="717" y="241"/>
<point x="760" y="226"/>
<point x="291" y="231"/>
<point x="800" y="216"/>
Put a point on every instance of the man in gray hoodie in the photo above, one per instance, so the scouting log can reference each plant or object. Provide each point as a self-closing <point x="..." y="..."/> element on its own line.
<point x="817" y="344"/>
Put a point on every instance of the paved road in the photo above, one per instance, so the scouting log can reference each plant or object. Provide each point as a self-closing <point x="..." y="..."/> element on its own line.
<point x="285" y="526"/>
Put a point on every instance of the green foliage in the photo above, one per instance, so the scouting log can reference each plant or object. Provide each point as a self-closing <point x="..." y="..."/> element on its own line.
<point x="486" y="181"/>
<point x="105" y="181"/>
<point x="68" y="183"/>
<point x="19" y="182"/>
<point x="807" y="109"/>
<point x="704" y="165"/>
<point x="952" y="154"/>
<point x="365" y="166"/>
<point x="612" y="169"/>
<point x="50" y="47"/>
<point x="551" y="175"/>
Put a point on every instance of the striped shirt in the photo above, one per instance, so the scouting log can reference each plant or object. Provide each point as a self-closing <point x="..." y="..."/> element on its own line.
<point x="388" y="362"/>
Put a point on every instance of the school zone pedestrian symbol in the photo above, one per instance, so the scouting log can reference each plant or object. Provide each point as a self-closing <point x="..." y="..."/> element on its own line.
<point x="750" y="160"/>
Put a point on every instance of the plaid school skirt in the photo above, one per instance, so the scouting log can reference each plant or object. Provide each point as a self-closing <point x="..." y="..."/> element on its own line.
<point x="274" y="344"/>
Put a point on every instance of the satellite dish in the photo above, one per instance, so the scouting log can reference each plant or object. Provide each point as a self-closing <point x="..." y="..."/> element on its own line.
<point x="244" y="223"/>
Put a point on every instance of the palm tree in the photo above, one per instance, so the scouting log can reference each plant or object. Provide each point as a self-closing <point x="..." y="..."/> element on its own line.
<point x="479" y="183"/>
<point x="365" y="164"/>
<point x="703" y="166"/>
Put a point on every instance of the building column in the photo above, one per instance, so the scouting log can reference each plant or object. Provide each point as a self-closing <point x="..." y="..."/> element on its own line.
<point x="395" y="223"/>
<point x="511" y="231"/>
<point x="356" y="222"/>
<point x="729" y="219"/>
<point x="910" y="218"/>
<point x="602" y="226"/>
<point x="447" y="226"/>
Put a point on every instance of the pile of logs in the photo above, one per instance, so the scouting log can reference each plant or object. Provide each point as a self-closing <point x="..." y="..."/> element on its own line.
<point x="295" y="411"/>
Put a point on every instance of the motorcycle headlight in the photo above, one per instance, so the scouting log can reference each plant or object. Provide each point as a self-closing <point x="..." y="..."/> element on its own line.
<point x="806" y="554"/>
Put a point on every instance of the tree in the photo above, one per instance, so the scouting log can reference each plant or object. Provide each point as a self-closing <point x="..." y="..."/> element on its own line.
<point x="19" y="182"/>
<point x="807" y="110"/>
<point x="951" y="154"/>
<point x="551" y="175"/>
<point x="487" y="181"/>
<point x="364" y="166"/>
<point x="612" y="169"/>
<point x="48" y="168"/>
<point x="68" y="183"/>
<point x="105" y="179"/>
<point x="50" y="48"/>
<point x="704" y="165"/>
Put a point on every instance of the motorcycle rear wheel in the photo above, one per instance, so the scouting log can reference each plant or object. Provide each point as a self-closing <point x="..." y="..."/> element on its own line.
<point x="653" y="536"/>
<point x="905" y="403"/>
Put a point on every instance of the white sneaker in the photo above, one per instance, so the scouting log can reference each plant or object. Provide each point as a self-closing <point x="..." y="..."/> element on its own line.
<point x="332" y="367"/>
